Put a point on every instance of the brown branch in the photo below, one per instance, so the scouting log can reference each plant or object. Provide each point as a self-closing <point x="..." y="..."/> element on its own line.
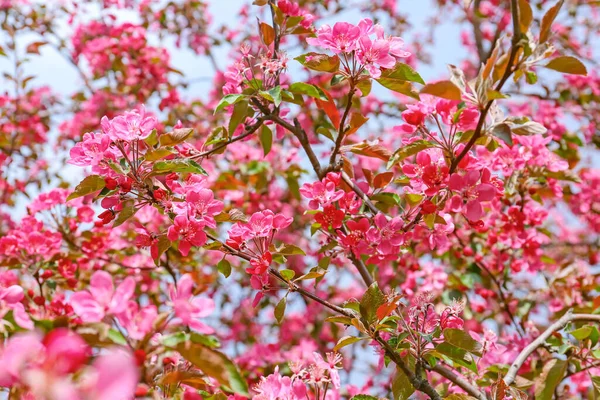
<point x="459" y="381"/>
<point x="341" y="130"/>
<point x="477" y="31"/>
<point x="363" y="196"/>
<point x="250" y="129"/>
<point x="540" y="340"/>
<point x="515" y="45"/>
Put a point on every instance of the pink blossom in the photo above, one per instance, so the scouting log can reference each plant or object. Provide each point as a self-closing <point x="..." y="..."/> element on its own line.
<point x="133" y="125"/>
<point x="277" y="387"/>
<point x="189" y="308"/>
<point x="472" y="191"/>
<point x="343" y="38"/>
<point x="102" y="298"/>
<point x="189" y="231"/>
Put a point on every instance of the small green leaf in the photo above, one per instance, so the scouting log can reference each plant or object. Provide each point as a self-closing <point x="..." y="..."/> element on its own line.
<point x="407" y="151"/>
<point x="214" y="364"/>
<point x="127" y="212"/>
<point x="567" y="65"/>
<point x="280" y="309"/>
<point x="175" y="137"/>
<point x="88" y="185"/>
<point x="291" y="250"/>
<point x="240" y="112"/>
<point x="443" y="89"/>
<point x="402" y="87"/>
<point x="287" y="274"/>
<point x="364" y="85"/>
<point x="224" y="267"/>
<point x="116" y="337"/>
<point x="462" y="340"/>
<point x="179" y="165"/>
<point x="229" y="100"/>
<point x="319" y="62"/>
<point x="402" y="72"/>
<point x="307" y="89"/>
<point x="502" y="131"/>
<point x="370" y="302"/>
<point x="346" y="341"/>
<point x="552" y="374"/>
<point x="401" y="386"/>
<point x="266" y="139"/>
<point x="158" y="154"/>
<point x="364" y="397"/>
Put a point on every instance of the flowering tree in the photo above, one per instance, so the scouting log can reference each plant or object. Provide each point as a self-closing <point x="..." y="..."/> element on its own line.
<point x="323" y="224"/>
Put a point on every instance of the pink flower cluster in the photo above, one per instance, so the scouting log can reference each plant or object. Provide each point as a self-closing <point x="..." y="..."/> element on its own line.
<point x="355" y="41"/>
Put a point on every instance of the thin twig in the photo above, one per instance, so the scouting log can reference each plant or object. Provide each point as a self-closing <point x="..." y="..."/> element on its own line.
<point x="459" y="381"/>
<point x="540" y="340"/>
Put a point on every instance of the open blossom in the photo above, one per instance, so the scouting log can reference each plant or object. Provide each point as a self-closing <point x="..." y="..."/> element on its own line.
<point x="10" y="300"/>
<point x="342" y="38"/>
<point x="356" y="41"/>
<point x="374" y="54"/>
<point x="130" y="126"/>
<point x="277" y="387"/>
<point x="189" y="309"/>
<point x="189" y="231"/>
<point x="136" y="320"/>
<point x="322" y="193"/>
<point x="474" y="189"/>
<point x="102" y="298"/>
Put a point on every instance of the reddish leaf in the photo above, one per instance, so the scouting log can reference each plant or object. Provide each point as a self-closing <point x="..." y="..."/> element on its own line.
<point x="330" y="109"/>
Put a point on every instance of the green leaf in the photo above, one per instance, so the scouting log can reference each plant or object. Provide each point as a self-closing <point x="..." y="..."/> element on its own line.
<point x="307" y="89"/>
<point x="402" y="87"/>
<point x="229" y="100"/>
<point x="175" y="137"/>
<point x="401" y="72"/>
<point x="158" y="154"/>
<point x="179" y="165"/>
<point x="214" y="364"/>
<point x="163" y="245"/>
<point x="291" y="250"/>
<point x="370" y="302"/>
<point x="319" y="62"/>
<point x="127" y="212"/>
<point x="443" y="89"/>
<point x="240" y="112"/>
<point x="280" y="309"/>
<point x="288" y="274"/>
<point x="117" y="337"/>
<point x="502" y="131"/>
<point x="401" y="386"/>
<point x="457" y="355"/>
<point x="364" y="397"/>
<point x="224" y="267"/>
<point x="273" y="95"/>
<point x="567" y="65"/>
<point x="552" y="374"/>
<point x="346" y="341"/>
<point x="407" y="151"/>
<point x="88" y="185"/>
<point x="364" y="85"/>
<point x="462" y="340"/>
<point x="266" y="139"/>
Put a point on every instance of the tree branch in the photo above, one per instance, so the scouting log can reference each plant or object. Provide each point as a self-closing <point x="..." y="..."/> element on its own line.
<point x="341" y="130"/>
<point x="458" y="381"/>
<point x="540" y="340"/>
